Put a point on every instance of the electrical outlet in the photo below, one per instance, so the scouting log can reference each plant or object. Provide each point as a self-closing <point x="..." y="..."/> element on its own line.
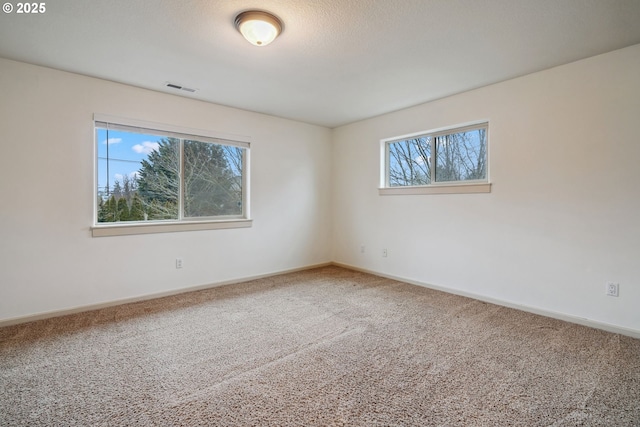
<point x="179" y="263"/>
<point x="384" y="253"/>
<point x="361" y="249"/>
<point x="612" y="289"/>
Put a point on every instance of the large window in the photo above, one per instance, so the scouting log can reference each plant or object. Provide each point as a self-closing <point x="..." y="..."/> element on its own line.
<point x="151" y="175"/>
<point x="435" y="162"/>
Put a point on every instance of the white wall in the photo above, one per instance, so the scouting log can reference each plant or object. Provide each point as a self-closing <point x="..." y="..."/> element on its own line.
<point x="48" y="259"/>
<point x="563" y="217"/>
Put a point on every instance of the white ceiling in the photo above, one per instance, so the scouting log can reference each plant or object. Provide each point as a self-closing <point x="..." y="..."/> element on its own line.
<point x="337" y="61"/>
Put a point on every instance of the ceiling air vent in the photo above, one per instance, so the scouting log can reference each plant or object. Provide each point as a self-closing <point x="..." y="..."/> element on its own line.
<point x="175" y="86"/>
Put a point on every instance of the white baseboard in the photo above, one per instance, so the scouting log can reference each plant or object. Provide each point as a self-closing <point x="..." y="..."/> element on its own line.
<point x="535" y="310"/>
<point x="561" y="316"/>
<point x="89" y="307"/>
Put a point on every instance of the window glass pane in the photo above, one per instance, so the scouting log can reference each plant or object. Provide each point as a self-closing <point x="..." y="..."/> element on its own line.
<point x="145" y="174"/>
<point x="212" y="179"/>
<point x="410" y="162"/>
<point x="137" y="176"/>
<point x="159" y="180"/>
<point x="461" y="156"/>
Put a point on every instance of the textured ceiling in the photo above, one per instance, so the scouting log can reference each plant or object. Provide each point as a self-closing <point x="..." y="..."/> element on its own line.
<point x="337" y="61"/>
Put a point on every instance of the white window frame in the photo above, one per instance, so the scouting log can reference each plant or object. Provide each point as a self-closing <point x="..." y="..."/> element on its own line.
<point x="452" y="187"/>
<point x="180" y="224"/>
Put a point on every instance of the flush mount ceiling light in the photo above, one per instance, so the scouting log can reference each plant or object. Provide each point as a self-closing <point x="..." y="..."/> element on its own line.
<point x="258" y="27"/>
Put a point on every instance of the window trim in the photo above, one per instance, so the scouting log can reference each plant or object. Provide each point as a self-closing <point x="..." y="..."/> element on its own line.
<point x="448" y="187"/>
<point x="472" y="187"/>
<point x="180" y="224"/>
<point x="124" y="229"/>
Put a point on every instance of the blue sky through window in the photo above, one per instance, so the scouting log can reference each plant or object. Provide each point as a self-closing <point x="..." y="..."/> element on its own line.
<point x="123" y="151"/>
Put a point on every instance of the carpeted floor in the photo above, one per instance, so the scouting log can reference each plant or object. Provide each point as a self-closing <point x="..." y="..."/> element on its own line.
<point x="324" y="347"/>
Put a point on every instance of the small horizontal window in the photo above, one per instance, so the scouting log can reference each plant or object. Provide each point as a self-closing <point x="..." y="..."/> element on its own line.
<point x="450" y="159"/>
<point x="147" y="176"/>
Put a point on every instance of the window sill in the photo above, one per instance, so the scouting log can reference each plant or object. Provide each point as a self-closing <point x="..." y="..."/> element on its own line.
<point x="167" y="227"/>
<point x="484" y="187"/>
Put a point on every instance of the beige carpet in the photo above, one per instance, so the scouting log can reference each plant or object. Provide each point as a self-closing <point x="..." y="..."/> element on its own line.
<point x="325" y="347"/>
